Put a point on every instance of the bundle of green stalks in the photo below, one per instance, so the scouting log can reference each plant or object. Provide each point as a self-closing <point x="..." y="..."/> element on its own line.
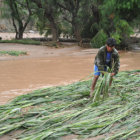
<point x="52" y="113"/>
<point x="101" y="91"/>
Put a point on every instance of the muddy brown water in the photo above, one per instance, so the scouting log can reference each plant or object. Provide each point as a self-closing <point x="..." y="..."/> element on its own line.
<point x="45" y="66"/>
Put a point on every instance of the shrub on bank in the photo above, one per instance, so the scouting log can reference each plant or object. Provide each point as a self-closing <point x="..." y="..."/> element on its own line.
<point x="13" y="53"/>
<point x="99" y="39"/>
<point x="23" y="41"/>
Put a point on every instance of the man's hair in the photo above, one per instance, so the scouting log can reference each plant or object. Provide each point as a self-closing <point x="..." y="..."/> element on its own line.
<point x="111" y="42"/>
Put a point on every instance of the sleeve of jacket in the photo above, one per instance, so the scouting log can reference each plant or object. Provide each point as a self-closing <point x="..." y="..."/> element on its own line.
<point x="116" y="64"/>
<point x="100" y="60"/>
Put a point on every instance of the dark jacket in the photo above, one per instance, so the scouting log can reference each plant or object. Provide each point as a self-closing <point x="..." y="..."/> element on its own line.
<point x="100" y="60"/>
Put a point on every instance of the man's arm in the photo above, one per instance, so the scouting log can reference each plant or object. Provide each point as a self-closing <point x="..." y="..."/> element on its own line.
<point x="116" y="64"/>
<point x="100" y="60"/>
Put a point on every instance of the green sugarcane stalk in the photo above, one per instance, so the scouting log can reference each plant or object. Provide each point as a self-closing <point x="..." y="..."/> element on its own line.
<point x="51" y="120"/>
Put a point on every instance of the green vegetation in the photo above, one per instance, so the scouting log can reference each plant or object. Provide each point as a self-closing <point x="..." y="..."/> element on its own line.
<point x="116" y="18"/>
<point x="99" y="39"/>
<point x="19" y="13"/>
<point x="13" y="53"/>
<point x="23" y="41"/>
<point x="58" y="111"/>
<point x="101" y="91"/>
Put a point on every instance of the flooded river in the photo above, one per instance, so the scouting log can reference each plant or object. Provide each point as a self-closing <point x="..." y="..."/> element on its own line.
<point x="45" y="66"/>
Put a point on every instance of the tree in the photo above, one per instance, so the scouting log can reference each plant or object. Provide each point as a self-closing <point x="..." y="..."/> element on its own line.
<point x="47" y="14"/>
<point x="20" y="13"/>
<point x="80" y="18"/>
<point x="115" y="24"/>
<point x="70" y="11"/>
<point x="129" y="10"/>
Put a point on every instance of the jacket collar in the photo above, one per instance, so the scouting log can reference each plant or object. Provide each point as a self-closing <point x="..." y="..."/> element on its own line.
<point x="107" y="51"/>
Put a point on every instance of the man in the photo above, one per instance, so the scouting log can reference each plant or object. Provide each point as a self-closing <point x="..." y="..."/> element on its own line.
<point x="107" y="56"/>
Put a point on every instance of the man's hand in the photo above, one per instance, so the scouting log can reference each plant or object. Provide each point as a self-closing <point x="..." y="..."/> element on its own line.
<point x="112" y="74"/>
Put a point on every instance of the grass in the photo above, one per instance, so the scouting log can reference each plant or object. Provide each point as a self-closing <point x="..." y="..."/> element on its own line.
<point x="23" y="41"/>
<point x="59" y="111"/>
<point x="13" y="53"/>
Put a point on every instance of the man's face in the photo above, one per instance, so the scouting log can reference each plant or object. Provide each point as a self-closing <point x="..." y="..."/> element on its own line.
<point x="109" y="49"/>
